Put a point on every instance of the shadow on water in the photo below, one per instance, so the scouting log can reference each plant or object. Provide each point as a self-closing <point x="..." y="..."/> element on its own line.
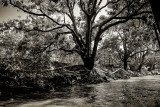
<point x="135" y="92"/>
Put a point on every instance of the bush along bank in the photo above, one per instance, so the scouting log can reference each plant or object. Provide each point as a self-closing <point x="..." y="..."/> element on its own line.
<point x="30" y="81"/>
<point x="44" y="81"/>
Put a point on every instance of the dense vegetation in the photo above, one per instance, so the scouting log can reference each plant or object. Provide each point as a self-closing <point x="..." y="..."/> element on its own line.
<point x="41" y="51"/>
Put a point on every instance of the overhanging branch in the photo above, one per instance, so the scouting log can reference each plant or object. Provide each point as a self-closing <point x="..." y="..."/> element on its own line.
<point x="24" y="10"/>
<point x="39" y="30"/>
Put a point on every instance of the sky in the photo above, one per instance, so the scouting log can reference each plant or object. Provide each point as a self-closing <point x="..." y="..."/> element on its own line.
<point x="7" y="13"/>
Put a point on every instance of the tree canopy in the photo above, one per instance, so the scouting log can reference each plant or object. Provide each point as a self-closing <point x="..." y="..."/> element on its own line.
<point x="82" y="19"/>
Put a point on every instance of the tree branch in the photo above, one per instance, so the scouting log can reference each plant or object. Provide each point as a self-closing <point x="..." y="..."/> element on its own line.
<point x="51" y="43"/>
<point x="82" y="6"/>
<point x="111" y="18"/>
<point x="76" y="34"/>
<point x="40" y="30"/>
<point x="44" y="14"/>
<point x="113" y="24"/>
<point x="67" y="50"/>
<point x="26" y="11"/>
<point x="136" y="13"/>
<point x="137" y="53"/>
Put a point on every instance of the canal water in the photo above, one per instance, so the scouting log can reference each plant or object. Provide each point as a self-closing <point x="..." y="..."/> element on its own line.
<point x="134" y="92"/>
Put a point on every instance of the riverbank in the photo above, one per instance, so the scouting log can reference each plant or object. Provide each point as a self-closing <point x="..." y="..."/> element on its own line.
<point x="19" y="82"/>
<point x="134" y="92"/>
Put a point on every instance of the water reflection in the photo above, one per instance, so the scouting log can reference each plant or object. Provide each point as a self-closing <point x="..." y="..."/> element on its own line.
<point x="135" y="92"/>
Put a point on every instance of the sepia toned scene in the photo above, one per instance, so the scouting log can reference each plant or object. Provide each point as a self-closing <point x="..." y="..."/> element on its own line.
<point x="79" y="53"/>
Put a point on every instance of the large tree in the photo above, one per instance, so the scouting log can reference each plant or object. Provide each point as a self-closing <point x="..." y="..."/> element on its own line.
<point x="131" y="41"/>
<point x="136" y="42"/>
<point x="79" y="18"/>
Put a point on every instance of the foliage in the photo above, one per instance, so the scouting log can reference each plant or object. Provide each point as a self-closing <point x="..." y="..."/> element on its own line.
<point x="79" y="19"/>
<point x="131" y="44"/>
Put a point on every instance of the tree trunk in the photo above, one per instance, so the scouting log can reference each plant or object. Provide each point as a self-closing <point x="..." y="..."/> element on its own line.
<point x="156" y="12"/>
<point x="125" y="63"/>
<point x="140" y="67"/>
<point x="88" y="63"/>
<point x="157" y="36"/>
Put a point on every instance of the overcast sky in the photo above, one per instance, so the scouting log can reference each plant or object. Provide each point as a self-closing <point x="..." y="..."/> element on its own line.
<point x="7" y="13"/>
